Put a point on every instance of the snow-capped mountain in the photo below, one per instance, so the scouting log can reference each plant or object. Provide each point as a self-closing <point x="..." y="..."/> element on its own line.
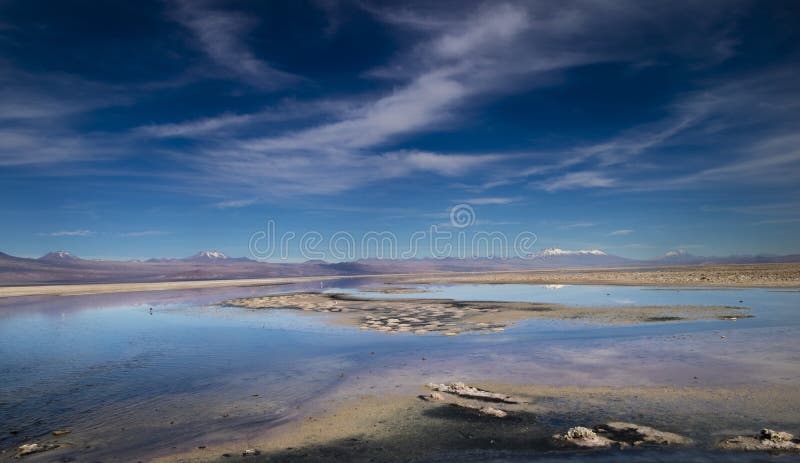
<point x="679" y="252"/>
<point x="207" y="256"/>
<point x="681" y="257"/>
<point x="59" y="256"/>
<point x="211" y="255"/>
<point x="556" y="257"/>
<point x="549" y="252"/>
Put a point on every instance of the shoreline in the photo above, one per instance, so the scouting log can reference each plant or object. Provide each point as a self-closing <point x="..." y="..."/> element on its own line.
<point x="781" y="276"/>
<point x="403" y="426"/>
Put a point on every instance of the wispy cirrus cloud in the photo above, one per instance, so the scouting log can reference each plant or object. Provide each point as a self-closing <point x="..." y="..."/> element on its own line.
<point x="773" y="160"/>
<point x="464" y="56"/>
<point x="228" y="124"/>
<point x="749" y="118"/>
<point x="235" y="203"/>
<point x="300" y="161"/>
<point x="575" y="180"/>
<point x="222" y="36"/>
<point x="32" y="97"/>
<point x="69" y="233"/>
<point x="622" y="232"/>
<point x="452" y="60"/>
<point x="288" y="174"/>
<point x="569" y="226"/>
<point x="778" y="221"/>
<point x="143" y="233"/>
<point x="490" y="200"/>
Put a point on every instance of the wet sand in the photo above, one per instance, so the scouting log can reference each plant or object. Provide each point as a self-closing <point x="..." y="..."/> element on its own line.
<point x="104" y="288"/>
<point x="393" y="290"/>
<point x="450" y="317"/>
<point x="397" y="427"/>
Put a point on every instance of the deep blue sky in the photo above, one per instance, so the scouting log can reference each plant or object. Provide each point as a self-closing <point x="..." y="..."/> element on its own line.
<point x="141" y="129"/>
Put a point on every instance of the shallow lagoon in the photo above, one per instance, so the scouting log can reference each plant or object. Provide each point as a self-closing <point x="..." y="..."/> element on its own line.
<point x="130" y="382"/>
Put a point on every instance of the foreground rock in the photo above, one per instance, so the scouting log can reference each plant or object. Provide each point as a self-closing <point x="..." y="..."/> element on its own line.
<point x="481" y="410"/>
<point x="470" y="392"/>
<point x="494" y="412"/>
<point x="635" y="434"/>
<point x="30" y="449"/>
<point x="433" y="397"/>
<point x="582" y="437"/>
<point x="765" y="440"/>
<point x="620" y="434"/>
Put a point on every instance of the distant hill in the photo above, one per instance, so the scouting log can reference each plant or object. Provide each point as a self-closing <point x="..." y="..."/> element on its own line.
<point x="61" y="267"/>
<point x="681" y="257"/>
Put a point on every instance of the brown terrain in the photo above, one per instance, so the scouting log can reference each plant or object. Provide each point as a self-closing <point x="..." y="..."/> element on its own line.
<point x="737" y="275"/>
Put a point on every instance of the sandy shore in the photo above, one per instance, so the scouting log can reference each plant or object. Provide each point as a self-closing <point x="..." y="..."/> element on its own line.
<point x="405" y="428"/>
<point x="756" y="276"/>
<point x="763" y="275"/>
<point x="102" y="288"/>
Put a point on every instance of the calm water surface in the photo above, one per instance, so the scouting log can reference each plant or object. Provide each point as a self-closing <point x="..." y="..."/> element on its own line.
<point x="172" y="370"/>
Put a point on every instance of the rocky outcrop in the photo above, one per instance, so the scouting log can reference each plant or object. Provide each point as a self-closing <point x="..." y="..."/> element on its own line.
<point x="484" y="411"/>
<point x="634" y="434"/>
<point x="582" y="437"/>
<point x="618" y="434"/>
<point x="29" y="449"/>
<point x="491" y="411"/>
<point x="766" y="440"/>
<point x="432" y="397"/>
<point x="470" y="392"/>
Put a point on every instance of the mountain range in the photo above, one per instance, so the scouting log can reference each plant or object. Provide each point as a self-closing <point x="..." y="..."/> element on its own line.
<point x="61" y="267"/>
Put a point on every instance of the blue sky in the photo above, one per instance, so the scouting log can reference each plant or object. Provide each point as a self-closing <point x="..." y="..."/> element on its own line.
<point x="142" y="129"/>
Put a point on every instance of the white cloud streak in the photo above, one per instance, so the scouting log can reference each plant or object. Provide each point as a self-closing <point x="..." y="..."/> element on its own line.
<point x="489" y="200"/>
<point x="235" y="203"/>
<point x="221" y="35"/>
<point x="70" y="233"/>
<point x="576" y="180"/>
<point x="143" y="233"/>
<point x="577" y="225"/>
